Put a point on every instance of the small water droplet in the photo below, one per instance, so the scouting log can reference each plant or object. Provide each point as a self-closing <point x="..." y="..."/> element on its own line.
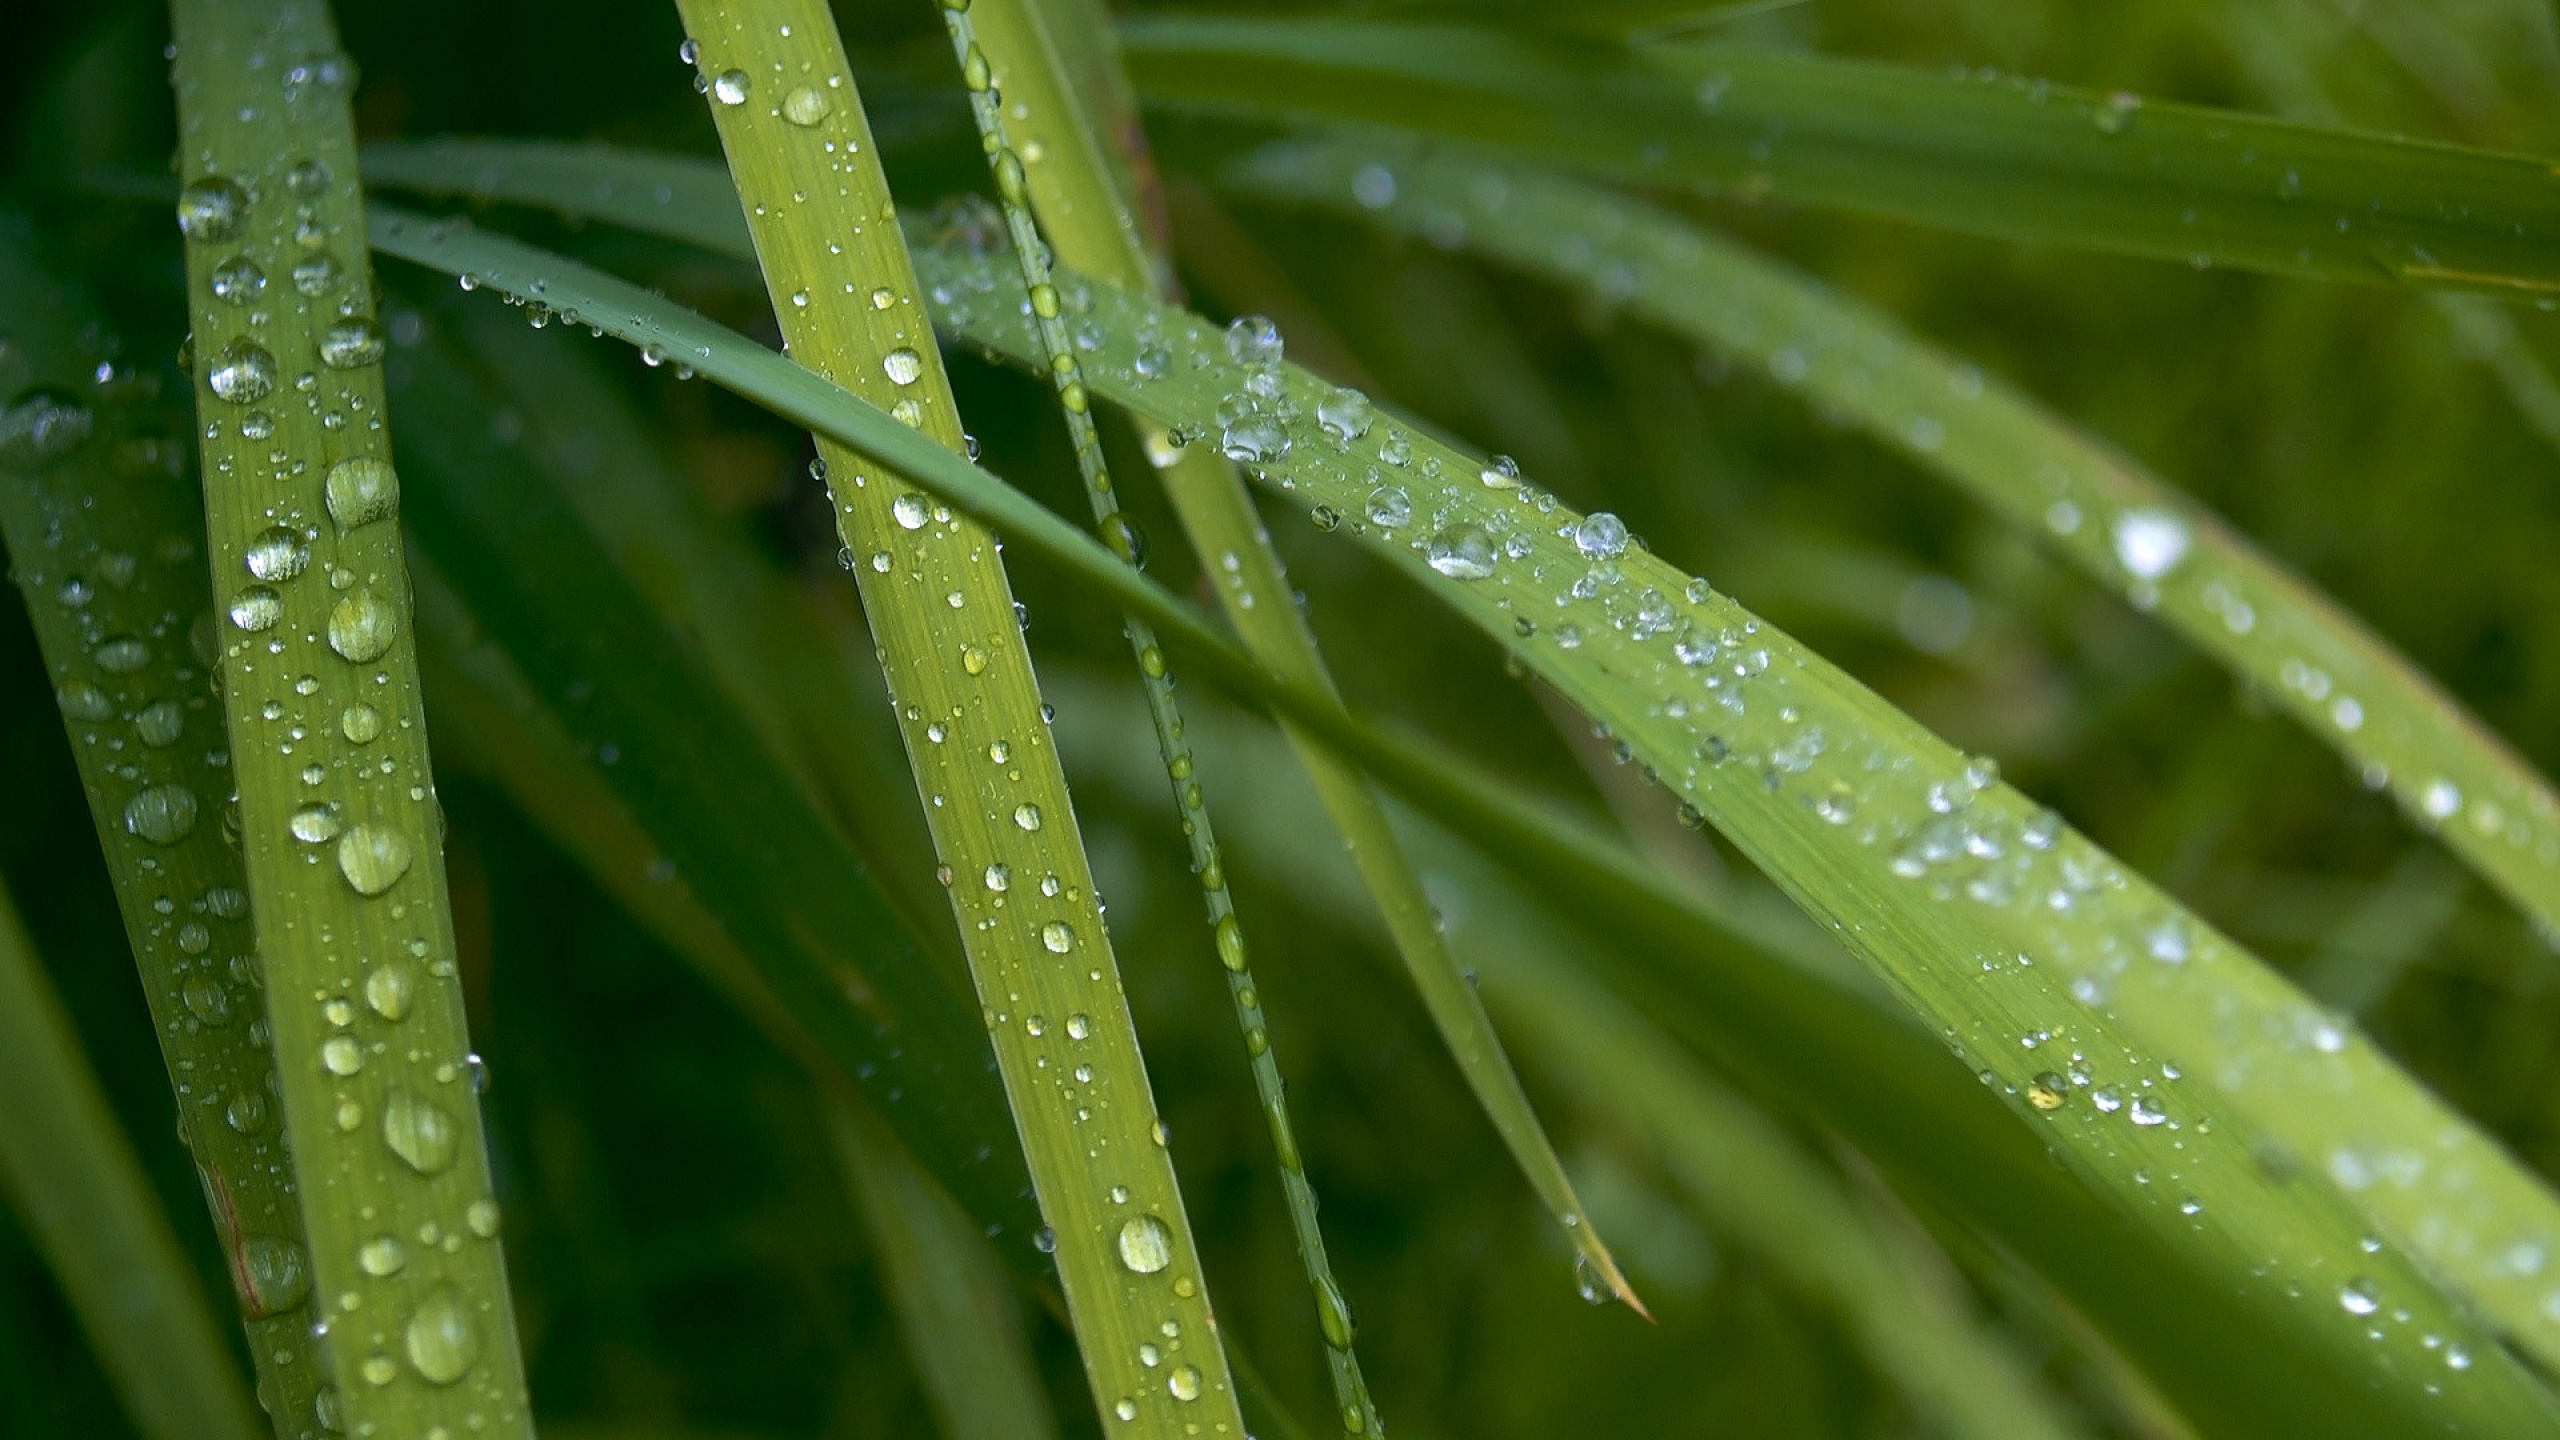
<point x="2047" y="1091"/>
<point x="381" y="1256"/>
<point x="351" y="344"/>
<point x="1462" y="552"/>
<point x="390" y="989"/>
<point x="2358" y="1297"/>
<point x="421" y="1132"/>
<point x="910" y="511"/>
<point x="1056" y="938"/>
<point x="1389" y="508"/>
<point x="246" y="1112"/>
<point x="730" y="88"/>
<point x="806" y="105"/>
<point x="1183" y="1383"/>
<point x="361" y="724"/>
<point x="273" y="1276"/>
<point x="278" y="553"/>
<point x="316" y="275"/>
<point x="340" y="1055"/>
<point x="210" y="209"/>
<point x="2150" y="543"/>
<point x="163" y="814"/>
<point x="1253" y="340"/>
<point x="1601" y="535"/>
<point x="242" y="372"/>
<point x="1027" y="816"/>
<point x="902" y="365"/>
<point x="238" y="280"/>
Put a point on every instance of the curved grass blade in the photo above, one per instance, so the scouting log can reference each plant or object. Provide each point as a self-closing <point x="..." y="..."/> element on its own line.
<point x="963" y="1334"/>
<point x="1352" y="1401"/>
<point x="338" y="820"/>
<point x="2281" y="1243"/>
<point x="118" y="596"/>
<point x="1742" y="1173"/>
<point x="1088" y="222"/>
<point x="2002" y="156"/>
<point x="2108" y="516"/>
<point x="75" y="1181"/>
<point x="836" y="268"/>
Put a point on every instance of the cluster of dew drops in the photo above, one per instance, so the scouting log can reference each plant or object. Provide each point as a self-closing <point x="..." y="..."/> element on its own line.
<point x="439" y="1339"/>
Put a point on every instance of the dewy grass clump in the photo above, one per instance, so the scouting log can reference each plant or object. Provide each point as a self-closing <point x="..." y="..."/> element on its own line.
<point x="1955" y="1005"/>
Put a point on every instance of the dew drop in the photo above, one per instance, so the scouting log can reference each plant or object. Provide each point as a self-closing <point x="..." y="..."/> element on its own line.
<point x="121" y="656"/>
<point x="1056" y="938"/>
<point x="1027" y="816"/>
<point x="278" y="554"/>
<point x="1145" y="1245"/>
<point x="2150" y="543"/>
<point x="256" y="608"/>
<point x="361" y="626"/>
<point x="382" y="1256"/>
<point x="1601" y="535"/>
<point x="1183" y="1383"/>
<point x="315" y="824"/>
<point x="806" y="106"/>
<point x="160" y="722"/>
<point x="1254" y="340"/>
<point x="340" y="1055"/>
<point x="730" y="88"/>
<point x="273" y="1276"/>
<point x="242" y="372"/>
<point x="210" y="209"/>
<point x="2047" y="1091"/>
<point x="1389" y="508"/>
<point x="41" y="426"/>
<point x="420" y="1132"/>
<point x="163" y="814"/>
<point x="998" y="877"/>
<point x="351" y="344"/>
<point x="373" y="858"/>
<point x="238" y="280"/>
<point x="910" y="511"/>
<point x="902" y="365"/>
<point x="1463" y="552"/>
<point x="440" y="1339"/>
<point x="246" y="1112"/>
<point x="482" y="1218"/>
<point x="390" y="989"/>
<point x="316" y="275"/>
<point x="2358" y="1297"/>
<point x="1231" y="951"/>
<point x="361" y="490"/>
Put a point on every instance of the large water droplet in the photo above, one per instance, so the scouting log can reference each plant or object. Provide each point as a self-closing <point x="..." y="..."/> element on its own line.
<point x="1333" y="1314"/>
<point x="420" y="1132"/>
<point x="361" y="626"/>
<point x="440" y="1339"/>
<point x="1601" y="535"/>
<point x="1345" y="415"/>
<point x="238" y="280"/>
<point x="390" y="989"/>
<point x="246" y="1112"/>
<point x="122" y="655"/>
<point x="902" y="365"/>
<point x="383" y="1255"/>
<point x="1145" y="1245"/>
<point x="273" y="1277"/>
<point x="210" y="209"/>
<point x="910" y="511"/>
<point x="163" y="814"/>
<point x="730" y="88"/>
<point x="256" y="608"/>
<point x="340" y="1055"/>
<point x="278" y="553"/>
<point x="160" y="722"/>
<point x="2358" y="1297"/>
<point x="361" y="490"/>
<point x="1462" y="552"/>
<point x="242" y="372"/>
<point x="1389" y="507"/>
<point x="1027" y="816"/>
<point x="316" y="275"/>
<point x="1254" y="340"/>
<point x="373" y="858"/>
<point x="315" y="824"/>
<point x="1056" y="938"/>
<point x="1183" y="1383"/>
<point x="806" y="105"/>
<point x="351" y="344"/>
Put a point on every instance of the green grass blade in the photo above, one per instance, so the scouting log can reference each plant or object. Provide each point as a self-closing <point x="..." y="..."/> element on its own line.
<point x="963" y="1333"/>
<point x="2306" y="1264"/>
<point x="836" y="269"/>
<point x="2107" y="515"/>
<point x="1089" y="222"/>
<point x="77" y="1185"/>
<point x="2004" y="157"/>
<point x="338" y="819"/>
<point x="1031" y="254"/>
<point x="148" y="744"/>
<point x="1743" y="1174"/>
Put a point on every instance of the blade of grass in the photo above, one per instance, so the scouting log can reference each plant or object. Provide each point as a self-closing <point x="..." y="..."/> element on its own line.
<point x="118" y="596"/>
<point x="1086" y="218"/>
<point x="80" y="1190"/>
<point x="1741" y="1172"/>
<point x="2104" y="513"/>
<point x="837" y="271"/>
<point x="1999" y="156"/>
<point x="963" y="1333"/>
<point x="2284" y="1240"/>
<point x="1342" y="1363"/>
<point x="338" y="820"/>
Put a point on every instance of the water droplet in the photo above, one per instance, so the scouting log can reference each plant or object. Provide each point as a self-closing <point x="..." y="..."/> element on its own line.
<point x="2150" y="543"/>
<point x="2358" y="1297"/>
<point x="361" y="626"/>
<point x="806" y="106"/>
<point x="1183" y="1383"/>
<point x="278" y="554"/>
<point x="1125" y="1408"/>
<point x="441" y="1342"/>
<point x="2440" y="799"/>
<point x="2146" y="1111"/>
<point x="360" y="491"/>
<point x="163" y="814"/>
<point x="121" y="656"/>
<point x="1080" y="1027"/>
<point x="1253" y="439"/>
<point x="41" y="426"/>
<point x="1345" y="414"/>
<point x="390" y="989"/>
<point x="1231" y="952"/>
<point x="361" y="724"/>
<point x="1601" y="535"/>
<point x="207" y="1000"/>
<point x="910" y="511"/>
<point x="315" y="824"/>
<point x="308" y="178"/>
<point x="373" y="858"/>
<point x="1389" y="507"/>
<point x="316" y="275"/>
<point x="1463" y="552"/>
<point x="1027" y="816"/>
<point x="340" y="1055"/>
<point x="1333" y="1314"/>
<point x="2047" y="1091"/>
<point x="730" y="88"/>
<point x="160" y="722"/>
<point x="256" y="608"/>
<point x="902" y="365"/>
<point x="351" y="344"/>
<point x="1254" y="340"/>
<point x="482" y="1218"/>
<point x="420" y="1132"/>
<point x="246" y="1112"/>
<point x="238" y="280"/>
<point x="1145" y="1245"/>
<point x="1057" y="938"/>
<point x="2115" y="113"/>
<point x="382" y="1255"/>
<point x="1045" y="1240"/>
<point x="210" y="209"/>
<point x="273" y="1277"/>
<point x="242" y="372"/>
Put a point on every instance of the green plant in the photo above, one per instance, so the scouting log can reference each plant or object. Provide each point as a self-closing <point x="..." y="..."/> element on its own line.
<point x="2238" y="1136"/>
